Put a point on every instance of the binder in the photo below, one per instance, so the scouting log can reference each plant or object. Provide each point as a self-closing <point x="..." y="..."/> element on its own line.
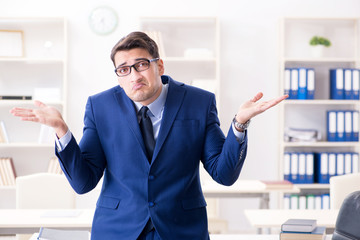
<point x="310" y="201"/>
<point x="322" y="169"/>
<point x="331" y="126"/>
<point x="294" y="164"/>
<point x="332" y="165"/>
<point x="310" y="83"/>
<point x="287" y="82"/>
<point x="294" y="201"/>
<point x="348" y="164"/>
<point x="348" y="84"/>
<point x="302" y="168"/>
<point x="340" y="164"/>
<point x="348" y="126"/>
<point x="355" y="126"/>
<point x="355" y="84"/>
<point x="340" y="125"/>
<point x="355" y="162"/>
<point x="309" y="168"/>
<point x="325" y="201"/>
<point x="318" y="200"/>
<point x="302" y="86"/>
<point x="294" y="86"/>
<point x="287" y="166"/>
<point x="302" y="202"/>
<point x="336" y="83"/>
<point x="287" y="201"/>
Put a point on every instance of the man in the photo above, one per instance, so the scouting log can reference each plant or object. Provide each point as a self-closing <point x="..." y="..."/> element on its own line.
<point x="151" y="187"/>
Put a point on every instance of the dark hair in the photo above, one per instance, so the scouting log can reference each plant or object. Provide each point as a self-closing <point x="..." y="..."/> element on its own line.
<point x="135" y="40"/>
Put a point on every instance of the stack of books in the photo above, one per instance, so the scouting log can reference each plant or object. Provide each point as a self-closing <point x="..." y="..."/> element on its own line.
<point x="302" y="229"/>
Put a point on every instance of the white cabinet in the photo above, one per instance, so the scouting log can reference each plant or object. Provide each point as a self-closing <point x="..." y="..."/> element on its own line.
<point x="40" y="73"/>
<point x="189" y="48"/>
<point x="296" y="52"/>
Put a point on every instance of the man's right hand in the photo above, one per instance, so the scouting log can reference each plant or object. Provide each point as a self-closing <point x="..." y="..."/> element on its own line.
<point x="44" y="114"/>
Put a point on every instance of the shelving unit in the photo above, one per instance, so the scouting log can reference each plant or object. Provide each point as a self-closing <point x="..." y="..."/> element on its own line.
<point x="42" y="66"/>
<point x="191" y="48"/>
<point x="295" y="51"/>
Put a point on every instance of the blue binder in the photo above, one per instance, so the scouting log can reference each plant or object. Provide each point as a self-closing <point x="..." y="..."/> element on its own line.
<point x="301" y="168"/>
<point x="356" y="83"/>
<point x="321" y="168"/>
<point x="332" y="165"/>
<point x="336" y="83"/>
<point x="302" y="86"/>
<point x="355" y="126"/>
<point x="331" y="126"/>
<point x="348" y="92"/>
<point x="287" y="82"/>
<point x="355" y="162"/>
<point x="294" y="163"/>
<point x="287" y="166"/>
<point x="294" y="83"/>
<point x="340" y="126"/>
<point x="309" y="168"/>
<point x="340" y="164"/>
<point x="310" y="75"/>
<point x="348" y="125"/>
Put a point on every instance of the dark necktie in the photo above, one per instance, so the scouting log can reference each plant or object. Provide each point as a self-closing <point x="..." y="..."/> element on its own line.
<point x="147" y="132"/>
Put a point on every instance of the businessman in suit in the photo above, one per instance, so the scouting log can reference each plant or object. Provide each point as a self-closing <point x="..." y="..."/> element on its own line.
<point x="146" y="137"/>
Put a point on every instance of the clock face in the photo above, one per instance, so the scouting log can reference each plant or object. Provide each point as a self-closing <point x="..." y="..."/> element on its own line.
<point x="103" y="20"/>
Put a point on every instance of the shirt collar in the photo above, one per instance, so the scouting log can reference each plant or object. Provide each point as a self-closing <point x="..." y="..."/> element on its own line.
<point x="156" y="106"/>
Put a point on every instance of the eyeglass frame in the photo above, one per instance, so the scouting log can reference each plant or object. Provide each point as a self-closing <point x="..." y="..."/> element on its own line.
<point x="133" y="66"/>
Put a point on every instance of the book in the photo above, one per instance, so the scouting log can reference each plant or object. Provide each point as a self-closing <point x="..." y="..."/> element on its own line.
<point x="4" y="138"/>
<point x="56" y="234"/>
<point x="280" y="184"/>
<point x="319" y="233"/>
<point x="7" y="172"/>
<point x="299" y="225"/>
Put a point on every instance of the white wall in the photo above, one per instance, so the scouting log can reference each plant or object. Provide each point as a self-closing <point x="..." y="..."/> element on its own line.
<point x="249" y="61"/>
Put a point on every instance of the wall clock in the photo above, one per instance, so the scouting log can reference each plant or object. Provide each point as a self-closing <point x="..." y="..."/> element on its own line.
<point x="103" y="20"/>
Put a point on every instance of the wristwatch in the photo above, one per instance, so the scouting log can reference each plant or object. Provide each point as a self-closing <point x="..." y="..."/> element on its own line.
<point x="242" y="126"/>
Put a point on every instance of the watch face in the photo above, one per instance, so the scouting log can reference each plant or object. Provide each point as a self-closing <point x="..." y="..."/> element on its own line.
<point x="103" y="20"/>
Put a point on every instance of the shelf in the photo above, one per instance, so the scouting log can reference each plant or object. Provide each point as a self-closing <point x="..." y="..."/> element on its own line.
<point x="315" y="60"/>
<point x="27" y="145"/>
<point x="321" y="102"/>
<point x="313" y="186"/>
<point x="32" y="60"/>
<point x="187" y="59"/>
<point x="321" y="144"/>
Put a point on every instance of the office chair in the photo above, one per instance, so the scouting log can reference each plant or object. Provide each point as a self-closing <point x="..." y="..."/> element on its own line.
<point x="341" y="186"/>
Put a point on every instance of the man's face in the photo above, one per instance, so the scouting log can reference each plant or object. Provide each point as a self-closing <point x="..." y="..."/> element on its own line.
<point x="145" y="86"/>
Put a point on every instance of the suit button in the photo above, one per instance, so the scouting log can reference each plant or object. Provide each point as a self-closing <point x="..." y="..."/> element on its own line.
<point x="151" y="177"/>
<point x="151" y="204"/>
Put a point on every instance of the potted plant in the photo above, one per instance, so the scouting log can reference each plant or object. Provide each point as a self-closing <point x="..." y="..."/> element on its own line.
<point x="318" y="44"/>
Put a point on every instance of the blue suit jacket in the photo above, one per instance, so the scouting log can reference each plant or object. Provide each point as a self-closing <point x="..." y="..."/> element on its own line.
<point x="169" y="189"/>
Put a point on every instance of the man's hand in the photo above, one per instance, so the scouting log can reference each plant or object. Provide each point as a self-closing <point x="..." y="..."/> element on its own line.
<point x="43" y="114"/>
<point x="252" y="107"/>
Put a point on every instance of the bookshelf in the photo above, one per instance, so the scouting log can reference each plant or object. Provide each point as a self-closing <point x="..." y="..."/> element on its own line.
<point x="189" y="47"/>
<point x="295" y="52"/>
<point x="40" y="72"/>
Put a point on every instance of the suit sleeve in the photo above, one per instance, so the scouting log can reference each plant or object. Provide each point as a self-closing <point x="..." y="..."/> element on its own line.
<point x="222" y="157"/>
<point x="84" y="164"/>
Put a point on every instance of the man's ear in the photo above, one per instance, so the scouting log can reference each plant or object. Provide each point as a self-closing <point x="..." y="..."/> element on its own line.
<point x="161" y="68"/>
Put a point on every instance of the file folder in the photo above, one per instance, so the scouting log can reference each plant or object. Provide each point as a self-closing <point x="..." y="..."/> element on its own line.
<point x="332" y="165"/>
<point x="287" y="82"/>
<point x="309" y="168"/>
<point x="340" y="164"/>
<point x="302" y="168"/>
<point x="310" y="83"/>
<point x="356" y="84"/>
<point x="322" y="169"/>
<point x="302" y="92"/>
<point x="355" y="126"/>
<point x="294" y="83"/>
<point x="348" y="125"/>
<point x="331" y="126"/>
<point x="340" y="125"/>
<point x="348" y="164"/>
<point x="348" y="84"/>
<point x="336" y="83"/>
<point x="287" y="166"/>
<point x="294" y="164"/>
<point x="355" y="162"/>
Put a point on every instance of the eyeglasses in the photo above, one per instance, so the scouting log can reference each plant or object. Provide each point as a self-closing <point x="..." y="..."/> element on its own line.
<point x="140" y="66"/>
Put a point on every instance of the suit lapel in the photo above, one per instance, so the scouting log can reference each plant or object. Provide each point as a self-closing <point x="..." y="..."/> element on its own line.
<point x="128" y="112"/>
<point x="173" y="102"/>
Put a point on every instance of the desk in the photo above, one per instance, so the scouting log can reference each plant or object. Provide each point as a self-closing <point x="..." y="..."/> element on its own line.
<point x="245" y="189"/>
<point x="27" y="221"/>
<point x="265" y="218"/>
